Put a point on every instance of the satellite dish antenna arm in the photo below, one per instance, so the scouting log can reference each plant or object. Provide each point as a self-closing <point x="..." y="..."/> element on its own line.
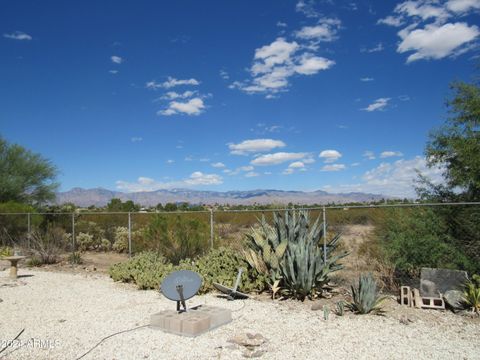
<point x="182" y="299"/>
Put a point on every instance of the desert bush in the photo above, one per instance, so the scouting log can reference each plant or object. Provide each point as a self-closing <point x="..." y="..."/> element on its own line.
<point x="6" y="251"/>
<point x="120" y="243"/>
<point x="365" y="296"/>
<point x="148" y="269"/>
<point x="75" y="258"/>
<point x="291" y="254"/>
<point x="105" y="245"/>
<point x="415" y="238"/>
<point x="84" y="241"/>
<point x="176" y="237"/>
<point x="46" y="246"/>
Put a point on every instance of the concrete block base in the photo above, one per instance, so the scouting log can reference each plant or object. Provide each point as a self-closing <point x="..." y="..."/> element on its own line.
<point x="192" y="323"/>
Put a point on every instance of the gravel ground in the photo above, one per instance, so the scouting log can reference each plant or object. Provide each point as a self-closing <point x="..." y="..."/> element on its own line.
<point x="64" y="315"/>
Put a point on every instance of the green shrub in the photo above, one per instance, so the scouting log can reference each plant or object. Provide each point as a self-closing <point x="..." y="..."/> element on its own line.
<point x="472" y="294"/>
<point x="148" y="269"/>
<point x="176" y="237"/>
<point x="75" y="258"/>
<point x="416" y="238"/>
<point x="34" y="261"/>
<point x="6" y="251"/>
<point x="365" y="296"/>
<point x="93" y="235"/>
<point x="84" y="241"/>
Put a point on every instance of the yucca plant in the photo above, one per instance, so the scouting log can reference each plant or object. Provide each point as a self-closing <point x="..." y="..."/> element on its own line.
<point x="472" y="294"/>
<point x="366" y="297"/>
<point x="292" y="254"/>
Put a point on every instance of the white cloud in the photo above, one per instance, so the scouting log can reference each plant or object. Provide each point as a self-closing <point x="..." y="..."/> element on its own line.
<point x="430" y="30"/>
<point x="224" y="75"/>
<point x="330" y="156"/>
<point x="251" y="174"/>
<point x="366" y="79"/>
<point x="113" y="72"/>
<point x="387" y="154"/>
<point x="281" y="24"/>
<point x="297" y="165"/>
<point x="218" y="165"/>
<point x="170" y="161"/>
<point x="277" y="158"/>
<point x="369" y="155"/>
<point x="436" y="42"/>
<point x="461" y="6"/>
<point x="391" y="21"/>
<point x="116" y="59"/>
<point x="148" y="184"/>
<point x="306" y="7"/>
<point x="255" y="145"/>
<point x="288" y="171"/>
<point x="18" y="35"/>
<point x="171" y="95"/>
<point x="136" y="139"/>
<point x="376" y="48"/>
<point x="394" y="179"/>
<point x="326" y="31"/>
<point x="193" y="106"/>
<point x="334" y="167"/>
<point x="377" y="105"/>
<point x="310" y="64"/>
<point x="171" y="82"/>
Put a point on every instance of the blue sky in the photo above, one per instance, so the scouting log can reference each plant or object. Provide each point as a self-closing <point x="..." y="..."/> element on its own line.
<point x="233" y="95"/>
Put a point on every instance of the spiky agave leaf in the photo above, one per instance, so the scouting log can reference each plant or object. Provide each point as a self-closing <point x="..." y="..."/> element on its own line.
<point x="365" y="296"/>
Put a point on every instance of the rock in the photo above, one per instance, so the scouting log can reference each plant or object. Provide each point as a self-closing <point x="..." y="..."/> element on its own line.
<point x="248" y="340"/>
<point x="444" y="280"/>
<point x="317" y="305"/>
<point x="428" y="288"/>
<point x="253" y="354"/>
<point x="454" y="299"/>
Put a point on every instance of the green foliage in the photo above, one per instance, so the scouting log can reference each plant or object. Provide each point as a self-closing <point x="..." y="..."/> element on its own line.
<point x="340" y="308"/>
<point x="291" y="253"/>
<point x="457" y="144"/>
<point x="472" y="294"/>
<point x="148" y="269"/>
<point x="416" y="238"/>
<point x="6" y="251"/>
<point x="365" y="296"/>
<point x="84" y="241"/>
<point x="75" y="258"/>
<point x="26" y="177"/>
<point x="116" y="205"/>
<point x="175" y="237"/>
<point x="90" y="235"/>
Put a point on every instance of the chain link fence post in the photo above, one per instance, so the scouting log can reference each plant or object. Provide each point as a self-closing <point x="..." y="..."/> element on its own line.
<point x="29" y="230"/>
<point x="324" y="235"/>
<point x="211" y="228"/>
<point x="73" y="232"/>
<point x="129" y="234"/>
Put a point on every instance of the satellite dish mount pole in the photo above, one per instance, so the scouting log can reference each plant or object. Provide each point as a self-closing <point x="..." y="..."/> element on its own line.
<point x="182" y="299"/>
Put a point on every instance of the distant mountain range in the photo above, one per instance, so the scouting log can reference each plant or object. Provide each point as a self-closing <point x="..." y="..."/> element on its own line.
<point x="100" y="197"/>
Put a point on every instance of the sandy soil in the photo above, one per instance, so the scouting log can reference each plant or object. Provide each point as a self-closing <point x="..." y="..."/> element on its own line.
<point x="65" y="314"/>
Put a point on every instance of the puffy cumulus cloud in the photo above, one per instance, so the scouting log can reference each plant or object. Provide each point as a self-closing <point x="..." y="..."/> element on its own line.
<point x="255" y="145"/>
<point x="171" y="82"/>
<point x="171" y="95"/>
<point x="275" y="63"/>
<point x="334" y="167"/>
<point x="193" y="106"/>
<point x="377" y="105"/>
<point x="330" y="156"/>
<point x="116" y="59"/>
<point x="394" y="179"/>
<point x="240" y="169"/>
<point x="436" y="42"/>
<point x="18" y="35"/>
<point x="218" y="165"/>
<point x="297" y="165"/>
<point x="148" y="184"/>
<point x="387" y="154"/>
<point x="277" y="158"/>
<point x="431" y="30"/>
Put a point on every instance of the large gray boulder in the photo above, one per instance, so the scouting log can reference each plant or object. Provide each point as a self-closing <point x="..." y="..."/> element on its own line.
<point x="443" y="279"/>
<point x="454" y="299"/>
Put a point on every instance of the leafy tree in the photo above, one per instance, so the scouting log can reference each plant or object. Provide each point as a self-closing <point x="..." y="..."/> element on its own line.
<point x="116" y="205"/>
<point x="456" y="145"/>
<point x="25" y="177"/>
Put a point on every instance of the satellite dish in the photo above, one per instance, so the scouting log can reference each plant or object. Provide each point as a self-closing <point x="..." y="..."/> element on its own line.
<point x="180" y="286"/>
<point x="232" y="294"/>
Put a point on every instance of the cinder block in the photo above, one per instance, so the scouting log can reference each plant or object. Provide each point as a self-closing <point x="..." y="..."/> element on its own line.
<point x="218" y="316"/>
<point x="405" y="296"/>
<point x="433" y="303"/>
<point x="195" y="324"/>
<point x="158" y="319"/>
<point x="416" y="298"/>
<point x="174" y="323"/>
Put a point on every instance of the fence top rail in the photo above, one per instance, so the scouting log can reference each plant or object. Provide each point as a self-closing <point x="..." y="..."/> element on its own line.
<point x="326" y="207"/>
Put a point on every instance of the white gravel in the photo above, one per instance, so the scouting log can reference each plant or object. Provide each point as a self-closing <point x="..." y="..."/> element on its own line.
<point x="73" y="312"/>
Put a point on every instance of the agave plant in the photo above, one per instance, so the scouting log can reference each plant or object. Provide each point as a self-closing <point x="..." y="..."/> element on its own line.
<point x="472" y="294"/>
<point x="291" y="253"/>
<point x="366" y="297"/>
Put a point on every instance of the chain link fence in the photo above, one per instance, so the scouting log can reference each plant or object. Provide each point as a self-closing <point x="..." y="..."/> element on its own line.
<point x="184" y="234"/>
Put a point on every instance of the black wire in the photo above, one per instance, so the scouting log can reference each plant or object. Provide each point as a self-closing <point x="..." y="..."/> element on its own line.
<point x="16" y="337"/>
<point x="109" y="336"/>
